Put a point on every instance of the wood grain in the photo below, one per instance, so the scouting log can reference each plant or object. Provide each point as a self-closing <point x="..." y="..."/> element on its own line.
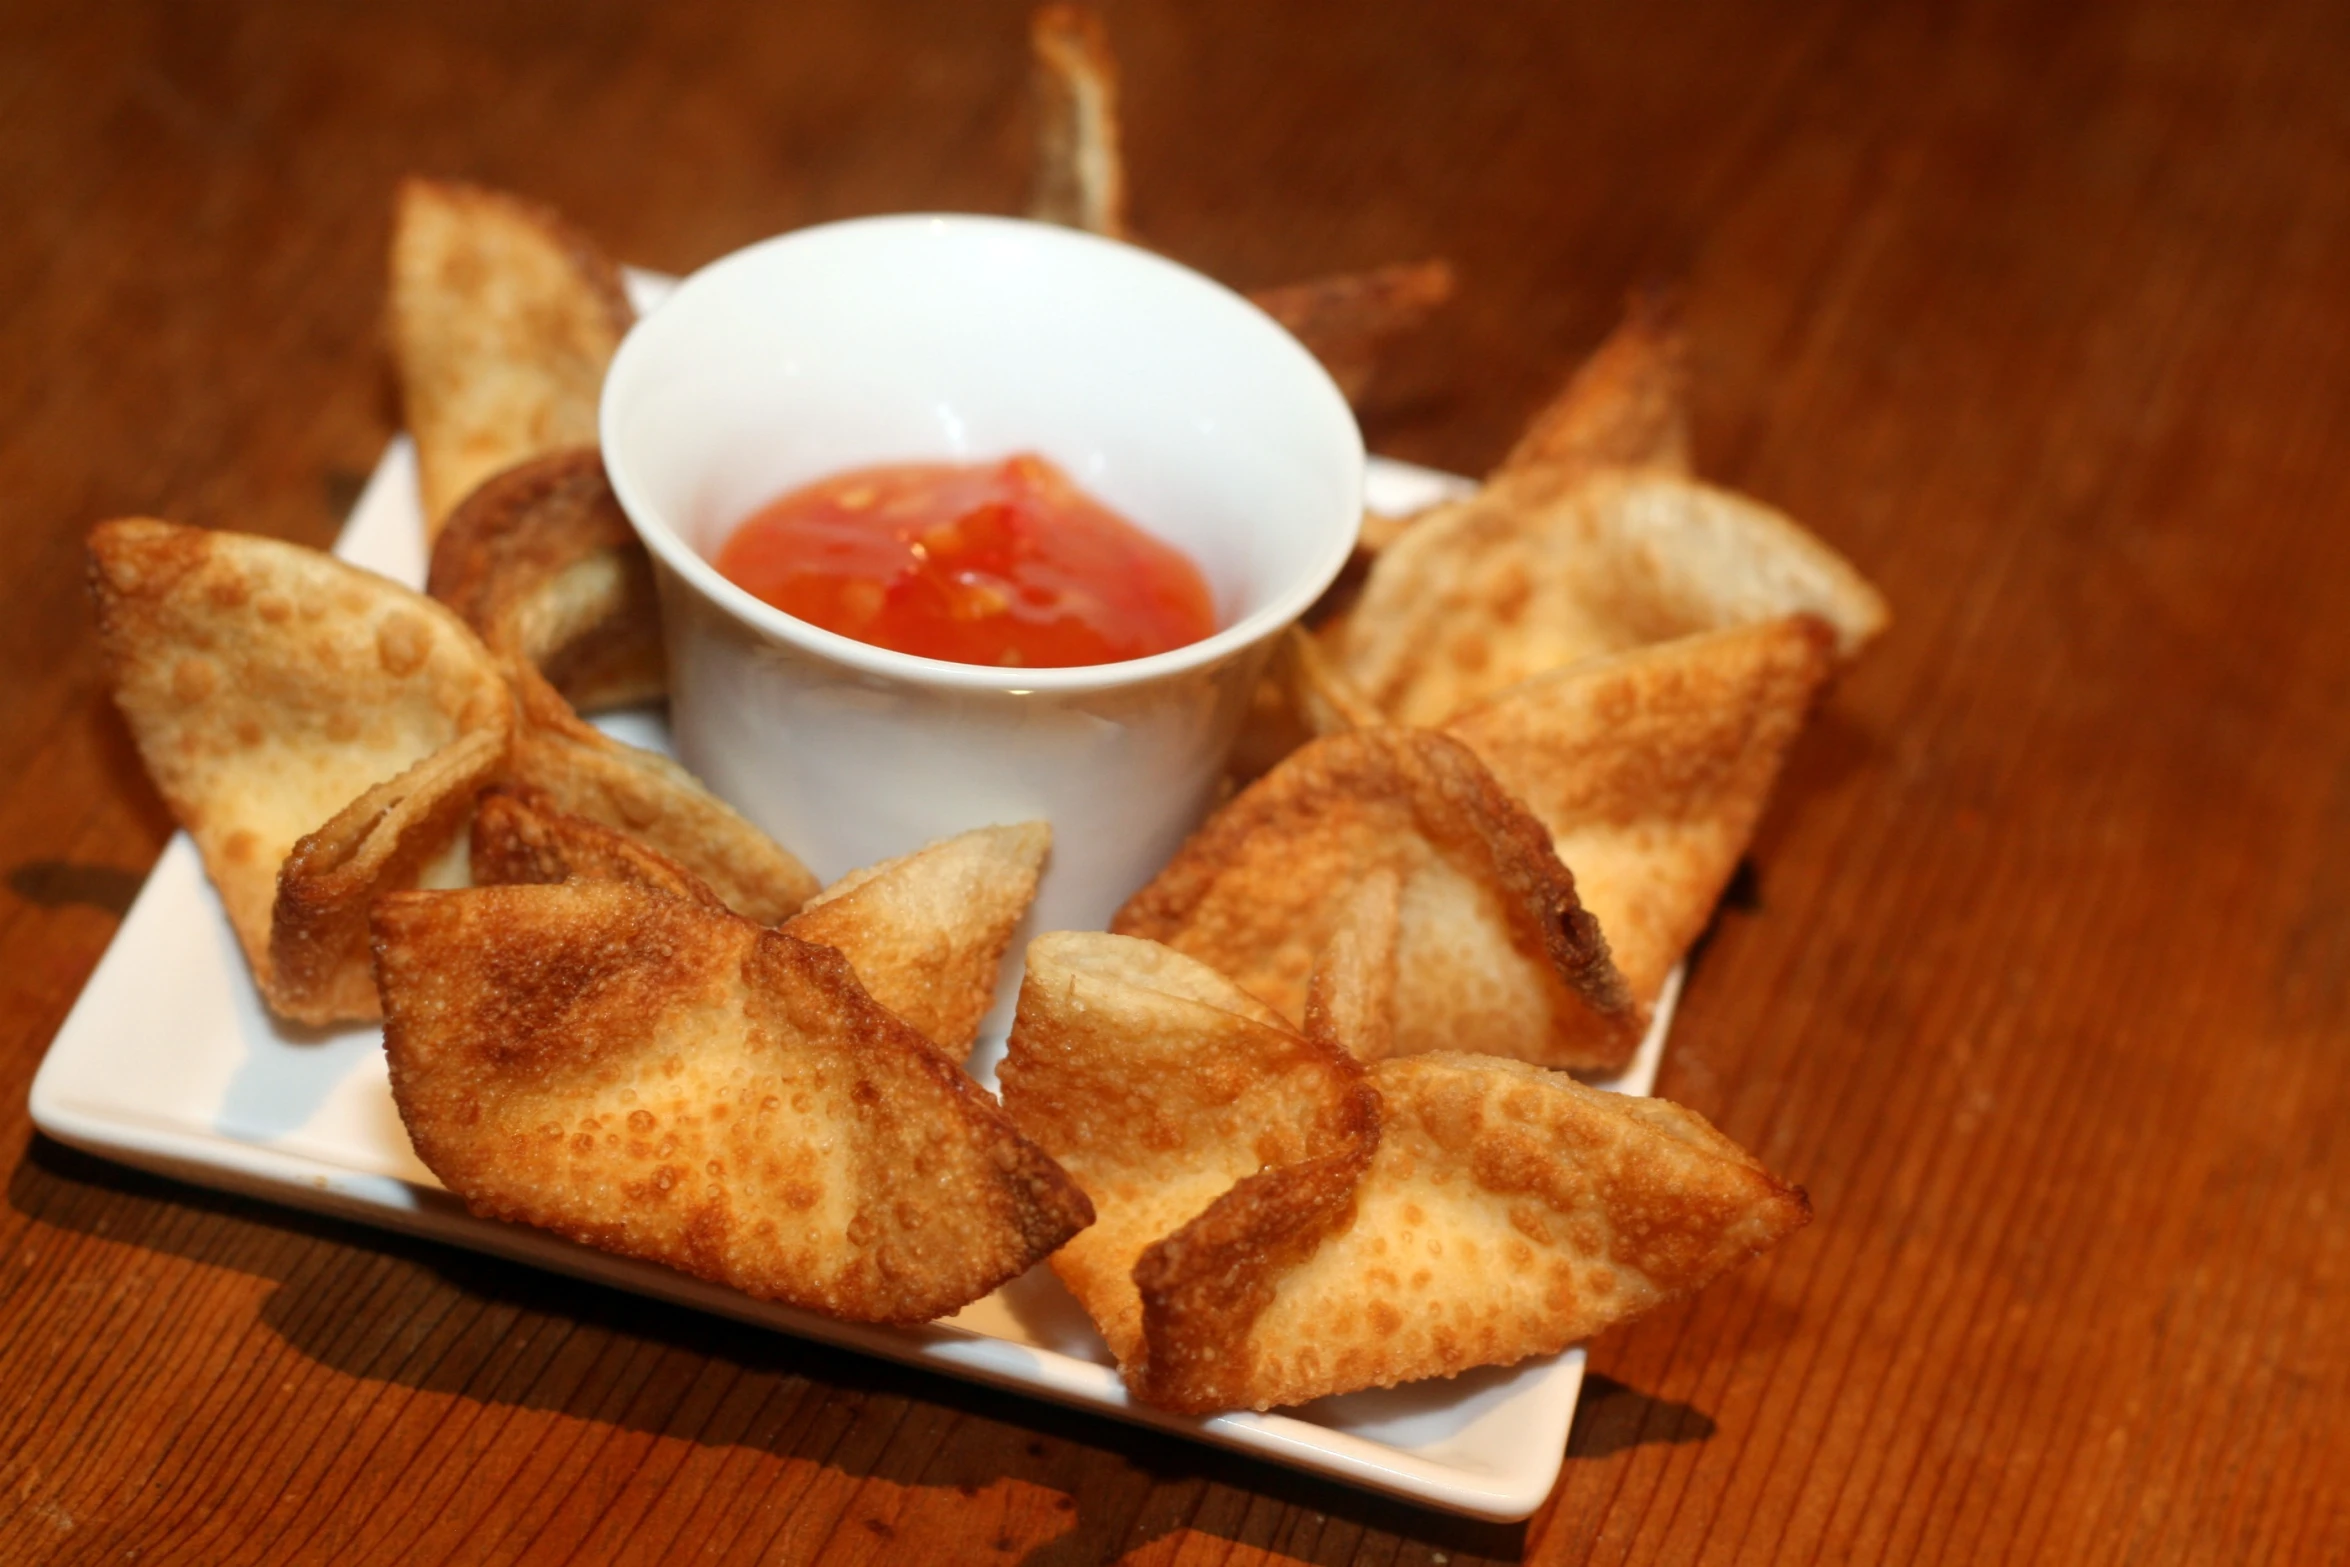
<point x="2041" y="981"/>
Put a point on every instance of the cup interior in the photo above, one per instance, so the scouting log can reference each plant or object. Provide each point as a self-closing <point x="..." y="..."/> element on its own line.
<point x="931" y="338"/>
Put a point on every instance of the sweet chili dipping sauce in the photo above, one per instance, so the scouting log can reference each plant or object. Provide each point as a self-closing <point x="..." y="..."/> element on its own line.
<point x="1005" y="563"/>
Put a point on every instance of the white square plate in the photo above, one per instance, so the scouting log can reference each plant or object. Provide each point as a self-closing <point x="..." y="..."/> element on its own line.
<point x="170" y="1062"/>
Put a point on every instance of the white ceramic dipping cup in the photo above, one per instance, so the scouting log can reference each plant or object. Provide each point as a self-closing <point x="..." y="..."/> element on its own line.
<point x="928" y="339"/>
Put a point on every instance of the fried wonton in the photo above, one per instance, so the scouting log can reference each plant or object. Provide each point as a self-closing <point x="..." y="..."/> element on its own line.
<point x="1505" y="1212"/>
<point x="1627" y="406"/>
<point x="664" y="1081"/>
<point x="1275" y="1224"/>
<point x="1157" y="1084"/>
<point x="317" y="729"/>
<point x="926" y="932"/>
<point x="503" y="318"/>
<point x="586" y="772"/>
<point x="1381" y="529"/>
<point x="1513" y="582"/>
<point x="542" y="564"/>
<point x="1350" y="1001"/>
<point x="1650" y="769"/>
<point x="1299" y="697"/>
<point x="1348" y="319"/>
<point x="1493" y="950"/>
<point x="520" y="837"/>
<point x="1080" y="174"/>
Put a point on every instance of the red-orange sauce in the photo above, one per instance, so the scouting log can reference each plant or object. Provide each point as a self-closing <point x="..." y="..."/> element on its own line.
<point x="1006" y="563"/>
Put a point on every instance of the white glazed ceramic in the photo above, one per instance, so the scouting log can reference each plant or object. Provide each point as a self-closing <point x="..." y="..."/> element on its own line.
<point x="968" y="338"/>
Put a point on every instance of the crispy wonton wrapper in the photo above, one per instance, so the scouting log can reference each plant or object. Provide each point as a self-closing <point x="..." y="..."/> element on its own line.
<point x="1651" y="768"/>
<point x="317" y="729"/>
<point x="503" y="318"/>
<point x="1379" y="530"/>
<point x="1493" y="949"/>
<point x="1505" y="1212"/>
<point x="521" y="838"/>
<point x="1485" y="592"/>
<point x="1299" y="698"/>
<point x="1073" y="78"/>
<point x="1348" y="319"/>
<point x="542" y="564"/>
<point x="663" y="1081"/>
<point x="1627" y="406"/>
<point x="586" y="772"/>
<point x="1158" y="1083"/>
<point x="1351" y="1000"/>
<point x="926" y="932"/>
<point x="1426" y="1216"/>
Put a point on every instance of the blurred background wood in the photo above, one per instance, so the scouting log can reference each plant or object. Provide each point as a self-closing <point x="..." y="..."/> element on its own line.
<point x="2040" y="979"/>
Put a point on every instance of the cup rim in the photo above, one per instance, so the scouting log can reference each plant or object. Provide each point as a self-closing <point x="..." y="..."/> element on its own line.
<point x="659" y="536"/>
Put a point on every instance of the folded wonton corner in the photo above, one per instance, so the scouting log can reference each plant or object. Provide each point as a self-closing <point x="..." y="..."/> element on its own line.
<point x="925" y="932"/>
<point x="665" y="1081"/>
<point x="584" y="771"/>
<point x="1650" y="770"/>
<point x="503" y="319"/>
<point x="1495" y="589"/>
<point x="1277" y="1222"/>
<point x="1493" y="950"/>
<point x="541" y="562"/>
<point x="318" y="730"/>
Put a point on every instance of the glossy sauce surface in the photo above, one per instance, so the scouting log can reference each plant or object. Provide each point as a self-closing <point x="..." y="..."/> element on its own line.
<point x="1005" y="563"/>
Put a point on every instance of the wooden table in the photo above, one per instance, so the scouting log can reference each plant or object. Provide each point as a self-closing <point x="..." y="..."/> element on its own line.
<point x="2040" y="980"/>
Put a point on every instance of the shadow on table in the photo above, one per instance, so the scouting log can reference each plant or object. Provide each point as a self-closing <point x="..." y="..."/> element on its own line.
<point x="1114" y="1488"/>
<point x="1611" y="1418"/>
<point x="1830" y="750"/>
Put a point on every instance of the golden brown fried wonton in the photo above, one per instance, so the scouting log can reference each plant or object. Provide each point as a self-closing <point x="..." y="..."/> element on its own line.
<point x="521" y="838"/>
<point x="542" y="564"/>
<point x="1158" y="1084"/>
<point x="317" y="729"/>
<point x="1627" y="406"/>
<point x="1493" y="950"/>
<point x="1276" y="1224"/>
<point x="1348" y="319"/>
<point x="663" y="1081"/>
<point x="926" y="932"/>
<point x="1650" y="769"/>
<point x="1080" y="175"/>
<point x="1350" y="1001"/>
<point x="503" y="318"/>
<point x="1299" y="697"/>
<point x="1505" y="1212"/>
<point x="586" y="772"/>
<point x="1513" y="582"/>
